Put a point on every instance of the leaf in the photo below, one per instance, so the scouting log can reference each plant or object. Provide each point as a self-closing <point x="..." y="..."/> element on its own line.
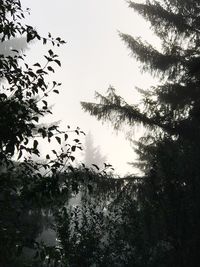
<point x="50" y="68"/>
<point x="37" y="65"/>
<point x="50" y="52"/>
<point x="72" y="158"/>
<point x="50" y="134"/>
<point x="32" y="74"/>
<point x="95" y="166"/>
<point x="73" y="148"/>
<point x="26" y="141"/>
<point x="54" y="152"/>
<point x="39" y="71"/>
<point x="56" y="91"/>
<point x="58" y="62"/>
<point x="14" y="50"/>
<point x="107" y="165"/>
<point x="48" y="58"/>
<point x="29" y="37"/>
<point x="20" y="154"/>
<point x="45" y="102"/>
<point x="66" y="136"/>
<point x="44" y="41"/>
<point x="35" y="144"/>
<point x="71" y="168"/>
<point x="58" y="139"/>
<point x="47" y="156"/>
<point x="35" y="119"/>
<point x="82" y="132"/>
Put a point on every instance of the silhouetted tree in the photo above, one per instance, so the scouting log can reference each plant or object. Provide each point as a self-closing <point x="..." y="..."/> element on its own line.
<point x="168" y="195"/>
<point x="27" y="186"/>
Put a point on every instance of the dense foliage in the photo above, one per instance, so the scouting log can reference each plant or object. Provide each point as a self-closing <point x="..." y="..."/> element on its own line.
<point x="29" y="185"/>
<point x="35" y="188"/>
<point x="147" y="221"/>
<point x="168" y="202"/>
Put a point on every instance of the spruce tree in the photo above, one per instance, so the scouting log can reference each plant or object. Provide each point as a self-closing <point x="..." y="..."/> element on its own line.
<point x="168" y="195"/>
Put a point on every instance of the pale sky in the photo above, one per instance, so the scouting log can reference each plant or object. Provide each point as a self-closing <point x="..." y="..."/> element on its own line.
<point x="93" y="58"/>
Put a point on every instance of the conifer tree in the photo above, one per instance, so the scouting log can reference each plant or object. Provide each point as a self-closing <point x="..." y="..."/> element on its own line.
<point x="168" y="196"/>
<point x="92" y="154"/>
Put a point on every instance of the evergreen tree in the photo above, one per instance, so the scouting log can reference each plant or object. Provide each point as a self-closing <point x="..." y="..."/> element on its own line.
<point x="168" y="195"/>
<point x="92" y="154"/>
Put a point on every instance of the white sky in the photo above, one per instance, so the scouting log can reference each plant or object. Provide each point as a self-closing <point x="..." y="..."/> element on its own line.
<point x="93" y="58"/>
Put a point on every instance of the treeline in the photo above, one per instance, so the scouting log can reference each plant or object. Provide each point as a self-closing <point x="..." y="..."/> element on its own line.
<point x="147" y="221"/>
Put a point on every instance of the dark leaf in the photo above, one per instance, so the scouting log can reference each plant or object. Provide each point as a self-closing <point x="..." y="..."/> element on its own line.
<point x="45" y="102"/>
<point x="35" y="144"/>
<point x="35" y="119"/>
<point x="50" y="52"/>
<point x="58" y="139"/>
<point x="72" y="158"/>
<point x="37" y="65"/>
<point x="95" y="166"/>
<point x="54" y="152"/>
<point x="58" y="62"/>
<point x="44" y="41"/>
<point x="20" y="154"/>
<point x="50" y="68"/>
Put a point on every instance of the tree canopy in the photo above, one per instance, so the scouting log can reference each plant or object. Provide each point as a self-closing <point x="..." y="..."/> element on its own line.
<point x="167" y="196"/>
<point x="147" y="221"/>
<point x="28" y="186"/>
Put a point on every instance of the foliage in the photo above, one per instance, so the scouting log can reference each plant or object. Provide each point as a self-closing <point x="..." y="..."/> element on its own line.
<point x="28" y="186"/>
<point x="88" y="232"/>
<point x="150" y="221"/>
<point x="168" y="194"/>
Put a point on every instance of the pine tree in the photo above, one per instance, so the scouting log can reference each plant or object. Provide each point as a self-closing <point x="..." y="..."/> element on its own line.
<point x="92" y="154"/>
<point x="168" y="196"/>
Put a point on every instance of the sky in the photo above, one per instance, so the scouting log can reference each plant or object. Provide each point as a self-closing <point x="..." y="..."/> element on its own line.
<point x="93" y="58"/>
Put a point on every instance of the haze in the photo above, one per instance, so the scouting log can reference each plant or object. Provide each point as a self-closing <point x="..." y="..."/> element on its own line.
<point x="93" y="58"/>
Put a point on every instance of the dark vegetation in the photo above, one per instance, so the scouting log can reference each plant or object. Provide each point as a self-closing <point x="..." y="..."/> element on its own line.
<point x="147" y="221"/>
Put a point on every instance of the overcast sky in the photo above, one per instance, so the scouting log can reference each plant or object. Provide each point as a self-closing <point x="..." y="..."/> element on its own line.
<point x="93" y="58"/>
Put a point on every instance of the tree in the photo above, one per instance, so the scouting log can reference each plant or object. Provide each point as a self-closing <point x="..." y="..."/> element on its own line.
<point x="90" y="232"/>
<point x="92" y="154"/>
<point x="27" y="186"/>
<point x="167" y="196"/>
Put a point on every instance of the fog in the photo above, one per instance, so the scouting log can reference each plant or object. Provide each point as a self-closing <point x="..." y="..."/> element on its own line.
<point x="93" y="58"/>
